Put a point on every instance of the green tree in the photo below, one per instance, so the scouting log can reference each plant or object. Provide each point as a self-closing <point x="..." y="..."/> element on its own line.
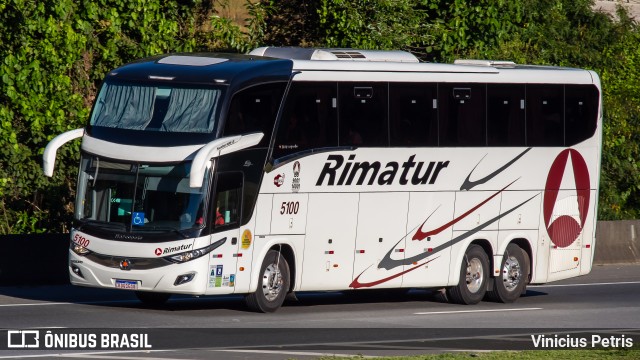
<point x="53" y="56"/>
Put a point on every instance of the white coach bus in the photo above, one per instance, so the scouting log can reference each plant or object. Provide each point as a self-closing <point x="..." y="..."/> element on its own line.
<point x="293" y="169"/>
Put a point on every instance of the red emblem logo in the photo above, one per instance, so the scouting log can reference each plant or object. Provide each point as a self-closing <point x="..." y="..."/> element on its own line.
<point x="564" y="229"/>
<point x="278" y="180"/>
<point x="158" y="252"/>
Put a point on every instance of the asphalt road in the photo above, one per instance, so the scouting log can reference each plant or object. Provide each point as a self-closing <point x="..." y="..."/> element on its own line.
<point x="604" y="302"/>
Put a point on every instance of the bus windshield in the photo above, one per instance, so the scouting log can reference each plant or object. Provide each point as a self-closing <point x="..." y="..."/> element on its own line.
<point x="157" y="108"/>
<point x="133" y="197"/>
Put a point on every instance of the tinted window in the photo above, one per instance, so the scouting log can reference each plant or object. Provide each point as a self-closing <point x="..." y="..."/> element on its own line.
<point x="309" y="120"/>
<point x="227" y="200"/>
<point x="254" y="109"/>
<point x="462" y="114"/>
<point x="413" y="115"/>
<point x="581" y="112"/>
<point x="545" y="115"/>
<point x="505" y="115"/>
<point x="363" y="114"/>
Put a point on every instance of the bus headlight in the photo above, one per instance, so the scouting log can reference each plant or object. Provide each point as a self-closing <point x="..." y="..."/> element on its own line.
<point x="80" y="250"/>
<point x="194" y="254"/>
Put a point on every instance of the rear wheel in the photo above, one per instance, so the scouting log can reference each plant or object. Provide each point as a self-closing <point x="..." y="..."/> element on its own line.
<point x="272" y="286"/>
<point x="513" y="278"/>
<point x="473" y="278"/>
<point x="152" y="298"/>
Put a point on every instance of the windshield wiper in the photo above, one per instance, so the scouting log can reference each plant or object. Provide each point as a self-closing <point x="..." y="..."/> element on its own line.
<point x="102" y="224"/>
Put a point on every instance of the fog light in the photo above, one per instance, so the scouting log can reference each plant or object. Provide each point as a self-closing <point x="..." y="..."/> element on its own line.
<point x="184" y="278"/>
<point x="76" y="270"/>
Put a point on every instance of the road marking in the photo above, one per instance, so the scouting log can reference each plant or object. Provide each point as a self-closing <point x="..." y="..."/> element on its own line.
<point x="474" y="311"/>
<point x="298" y="353"/>
<point x="590" y="284"/>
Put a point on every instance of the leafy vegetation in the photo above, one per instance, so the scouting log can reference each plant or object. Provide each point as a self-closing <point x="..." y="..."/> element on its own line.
<point x="53" y="55"/>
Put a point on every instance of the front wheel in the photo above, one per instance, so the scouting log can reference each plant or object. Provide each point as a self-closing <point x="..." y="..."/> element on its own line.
<point x="272" y="286"/>
<point x="473" y="278"/>
<point x="512" y="281"/>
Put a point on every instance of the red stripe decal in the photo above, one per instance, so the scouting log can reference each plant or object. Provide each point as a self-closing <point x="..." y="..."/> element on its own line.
<point x="419" y="235"/>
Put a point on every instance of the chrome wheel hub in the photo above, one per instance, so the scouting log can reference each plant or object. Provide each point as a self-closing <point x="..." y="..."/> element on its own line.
<point x="272" y="282"/>
<point x="475" y="275"/>
<point x="511" y="273"/>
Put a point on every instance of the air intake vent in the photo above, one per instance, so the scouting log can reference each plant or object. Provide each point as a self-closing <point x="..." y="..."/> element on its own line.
<point x="348" y="55"/>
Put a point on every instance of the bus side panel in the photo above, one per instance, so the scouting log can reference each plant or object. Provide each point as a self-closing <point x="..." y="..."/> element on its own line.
<point x="263" y="214"/>
<point x="289" y="214"/>
<point x="246" y="255"/>
<point x="428" y="212"/>
<point x="564" y="254"/>
<point x="382" y="222"/>
<point x="221" y="274"/>
<point x="588" y="238"/>
<point x="330" y="241"/>
<point x="483" y="217"/>
<point x="521" y="220"/>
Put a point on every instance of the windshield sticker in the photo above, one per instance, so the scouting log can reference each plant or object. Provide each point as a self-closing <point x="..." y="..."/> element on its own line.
<point x="225" y="281"/>
<point x="232" y="280"/>
<point x="246" y="239"/>
<point x="137" y="218"/>
<point x="218" y="281"/>
<point x="212" y="275"/>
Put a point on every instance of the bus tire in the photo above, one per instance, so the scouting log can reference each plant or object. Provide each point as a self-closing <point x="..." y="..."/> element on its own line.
<point x="152" y="298"/>
<point x="273" y="284"/>
<point x="474" y="273"/>
<point x="513" y="278"/>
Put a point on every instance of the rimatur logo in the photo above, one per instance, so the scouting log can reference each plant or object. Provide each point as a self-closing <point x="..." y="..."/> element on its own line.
<point x="563" y="230"/>
<point x="158" y="252"/>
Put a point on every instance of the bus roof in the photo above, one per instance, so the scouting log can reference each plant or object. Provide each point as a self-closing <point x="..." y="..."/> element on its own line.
<point x="403" y="66"/>
<point x="204" y="69"/>
<point x="279" y="63"/>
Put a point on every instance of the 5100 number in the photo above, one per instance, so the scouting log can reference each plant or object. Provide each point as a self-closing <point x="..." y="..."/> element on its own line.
<point x="289" y="207"/>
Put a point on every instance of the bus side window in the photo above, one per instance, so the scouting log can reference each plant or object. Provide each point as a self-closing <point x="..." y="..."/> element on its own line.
<point x="363" y="114"/>
<point x="506" y="115"/>
<point x="254" y="109"/>
<point x="462" y="114"/>
<point x="413" y="114"/>
<point x="227" y="199"/>
<point x="581" y="112"/>
<point x="545" y="115"/>
<point x="309" y="120"/>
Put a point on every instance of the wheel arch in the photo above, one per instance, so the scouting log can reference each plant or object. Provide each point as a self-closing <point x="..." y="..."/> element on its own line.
<point x="454" y="267"/>
<point x="288" y="251"/>
<point x="488" y="249"/>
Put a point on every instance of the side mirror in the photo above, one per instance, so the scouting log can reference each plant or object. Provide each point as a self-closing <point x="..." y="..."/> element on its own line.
<point x="217" y="148"/>
<point x="49" y="156"/>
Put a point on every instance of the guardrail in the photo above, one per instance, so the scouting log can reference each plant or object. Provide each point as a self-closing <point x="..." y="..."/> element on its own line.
<point x="42" y="259"/>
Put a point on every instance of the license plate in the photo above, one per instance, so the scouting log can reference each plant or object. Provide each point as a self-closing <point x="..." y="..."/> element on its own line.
<point x="127" y="284"/>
